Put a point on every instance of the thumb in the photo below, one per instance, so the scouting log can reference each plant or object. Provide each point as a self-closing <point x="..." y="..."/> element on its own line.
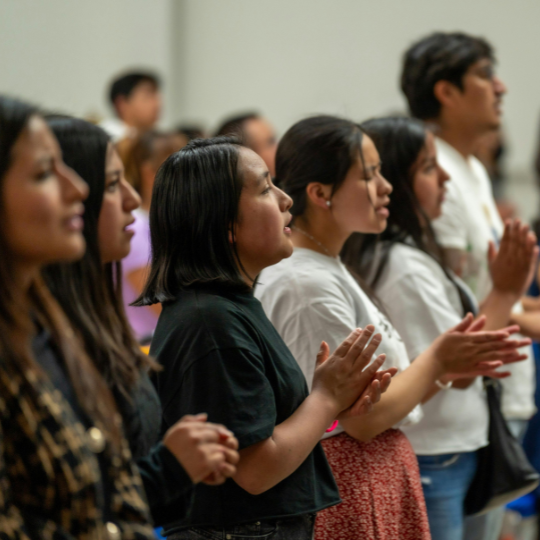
<point x="492" y="252"/>
<point x="323" y="354"/>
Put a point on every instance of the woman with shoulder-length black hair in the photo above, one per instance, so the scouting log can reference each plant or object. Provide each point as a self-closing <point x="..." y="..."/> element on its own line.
<point x="216" y="221"/>
<point x="332" y="171"/>
<point x="89" y="291"/>
<point x="424" y="298"/>
<point x="63" y="467"/>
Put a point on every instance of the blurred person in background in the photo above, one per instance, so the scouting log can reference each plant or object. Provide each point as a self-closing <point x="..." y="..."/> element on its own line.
<point x="256" y="133"/>
<point x="91" y="296"/>
<point x="65" y="469"/>
<point x="191" y="131"/>
<point x="449" y="81"/>
<point x="423" y="298"/>
<point x="136" y="100"/>
<point x="142" y="162"/>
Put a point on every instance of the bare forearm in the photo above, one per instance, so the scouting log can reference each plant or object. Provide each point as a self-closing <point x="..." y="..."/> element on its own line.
<point x="408" y="389"/>
<point x="268" y="462"/>
<point x="530" y="303"/>
<point x="497" y="308"/>
<point x="528" y="322"/>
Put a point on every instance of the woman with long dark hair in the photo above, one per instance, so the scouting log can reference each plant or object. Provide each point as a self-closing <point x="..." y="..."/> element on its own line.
<point x="64" y="472"/>
<point x="90" y="293"/>
<point x="216" y="221"/>
<point x="423" y="298"/>
<point x="332" y="171"/>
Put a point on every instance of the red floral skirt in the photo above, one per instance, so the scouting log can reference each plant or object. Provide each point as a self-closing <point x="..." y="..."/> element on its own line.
<point x="379" y="483"/>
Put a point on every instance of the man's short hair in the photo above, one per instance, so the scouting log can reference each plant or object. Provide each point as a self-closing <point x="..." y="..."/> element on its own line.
<point x="124" y="85"/>
<point x="234" y="125"/>
<point x="440" y="56"/>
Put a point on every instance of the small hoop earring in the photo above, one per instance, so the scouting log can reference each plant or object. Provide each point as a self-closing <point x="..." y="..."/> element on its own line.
<point x="328" y="203"/>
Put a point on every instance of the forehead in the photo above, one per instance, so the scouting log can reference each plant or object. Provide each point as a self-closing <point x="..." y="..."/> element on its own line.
<point x="371" y="156"/>
<point x="36" y="139"/>
<point x="251" y="167"/>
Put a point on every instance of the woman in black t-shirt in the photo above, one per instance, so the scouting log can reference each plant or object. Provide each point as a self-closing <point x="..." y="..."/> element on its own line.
<point x="216" y="221"/>
<point x="89" y="292"/>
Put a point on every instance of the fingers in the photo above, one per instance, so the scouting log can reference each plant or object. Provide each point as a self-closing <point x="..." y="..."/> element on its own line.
<point x="343" y="349"/>
<point x="201" y="417"/>
<point x="385" y="382"/>
<point x="323" y="354"/>
<point x="361" y="354"/>
<point x="477" y="325"/>
<point x="464" y="324"/>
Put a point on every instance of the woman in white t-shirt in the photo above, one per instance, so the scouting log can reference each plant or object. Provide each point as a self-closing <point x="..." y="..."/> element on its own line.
<point x="423" y="299"/>
<point x="332" y="173"/>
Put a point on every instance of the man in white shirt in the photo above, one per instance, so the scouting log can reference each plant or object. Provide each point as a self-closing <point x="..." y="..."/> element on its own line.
<point x="136" y="99"/>
<point x="449" y="82"/>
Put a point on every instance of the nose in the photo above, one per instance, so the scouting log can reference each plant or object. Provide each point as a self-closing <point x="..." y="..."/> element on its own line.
<point x="443" y="175"/>
<point x="285" y="202"/>
<point x="74" y="187"/>
<point x="385" y="187"/>
<point x="499" y="86"/>
<point x="131" y="200"/>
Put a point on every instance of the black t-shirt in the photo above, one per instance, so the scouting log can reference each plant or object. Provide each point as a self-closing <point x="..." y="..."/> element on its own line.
<point x="221" y="355"/>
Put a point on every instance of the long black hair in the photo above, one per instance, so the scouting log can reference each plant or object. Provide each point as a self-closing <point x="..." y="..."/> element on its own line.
<point x="17" y="308"/>
<point x="89" y="291"/>
<point x="194" y="208"/>
<point x="399" y="141"/>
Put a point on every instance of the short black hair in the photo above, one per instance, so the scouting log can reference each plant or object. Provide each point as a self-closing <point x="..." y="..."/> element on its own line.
<point x="234" y="125"/>
<point x="438" y="57"/>
<point x="194" y="206"/>
<point x="125" y="84"/>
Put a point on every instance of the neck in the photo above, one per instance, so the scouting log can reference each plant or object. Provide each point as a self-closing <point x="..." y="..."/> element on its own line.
<point x="25" y="274"/>
<point x="326" y="237"/>
<point x="462" y="138"/>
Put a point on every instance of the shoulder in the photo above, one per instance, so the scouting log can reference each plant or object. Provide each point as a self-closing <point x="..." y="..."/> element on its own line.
<point x="408" y="263"/>
<point x="199" y="321"/>
<point x="306" y="277"/>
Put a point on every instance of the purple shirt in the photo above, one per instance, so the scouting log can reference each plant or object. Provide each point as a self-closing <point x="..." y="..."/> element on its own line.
<point x="142" y="319"/>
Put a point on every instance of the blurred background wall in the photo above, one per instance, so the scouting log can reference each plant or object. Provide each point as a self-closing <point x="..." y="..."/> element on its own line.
<point x="286" y="58"/>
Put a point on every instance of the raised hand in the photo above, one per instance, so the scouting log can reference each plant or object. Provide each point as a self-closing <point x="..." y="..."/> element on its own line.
<point x="343" y="377"/>
<point x="466" y="350"/>
<point x="206" y="451"/>
<point x="512" y="266"/>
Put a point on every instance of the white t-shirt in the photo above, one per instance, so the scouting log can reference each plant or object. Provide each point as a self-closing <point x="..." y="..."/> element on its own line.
<point x="117" y="129"/>
<point x="422" y="303"/>
<point x="310" y="298"/>
<point x="469" y="221"/>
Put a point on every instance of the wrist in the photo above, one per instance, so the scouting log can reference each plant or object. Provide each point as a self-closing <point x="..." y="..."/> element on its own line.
<point x="325" y="403"/>
<point x="505" y="295"/>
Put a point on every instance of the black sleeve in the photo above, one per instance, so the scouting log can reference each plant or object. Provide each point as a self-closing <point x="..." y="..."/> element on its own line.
<point x="229" y="385"/>
<point x="167" y="485"/>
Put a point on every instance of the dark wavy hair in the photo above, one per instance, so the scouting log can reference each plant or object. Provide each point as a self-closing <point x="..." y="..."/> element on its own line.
<point x="194" y="206"/>
<point x="17" y="307"/>
<point x="89" y="291"/>
<point x="438" y="57"/>
<point x="399" y="141"/>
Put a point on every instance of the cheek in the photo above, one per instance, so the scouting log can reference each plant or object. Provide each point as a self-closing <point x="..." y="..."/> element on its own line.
<point x="35" y="230"/>
<point x="353" y="209"/>
<point x="114" y="244"/>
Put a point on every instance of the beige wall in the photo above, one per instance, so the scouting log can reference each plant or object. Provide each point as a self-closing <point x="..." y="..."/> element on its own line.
<point x="61" y="54"/>
<point x="287" y="58"/>
<point x="290" y="58"/>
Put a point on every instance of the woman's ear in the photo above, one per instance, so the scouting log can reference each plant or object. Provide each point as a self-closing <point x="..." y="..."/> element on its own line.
<point x="319" y="195"/>
<point x="231" y="237"/>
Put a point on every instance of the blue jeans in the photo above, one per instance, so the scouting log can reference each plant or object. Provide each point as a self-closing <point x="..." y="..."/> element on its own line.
<point x="445" y="481"/>
<point x="295" y="528"/>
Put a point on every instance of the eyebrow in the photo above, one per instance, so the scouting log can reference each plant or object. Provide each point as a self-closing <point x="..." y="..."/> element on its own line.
<point x="262" y="177"/>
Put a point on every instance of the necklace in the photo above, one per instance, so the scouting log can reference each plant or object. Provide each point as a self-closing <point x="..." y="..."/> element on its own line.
<point x="307" y="235"/>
